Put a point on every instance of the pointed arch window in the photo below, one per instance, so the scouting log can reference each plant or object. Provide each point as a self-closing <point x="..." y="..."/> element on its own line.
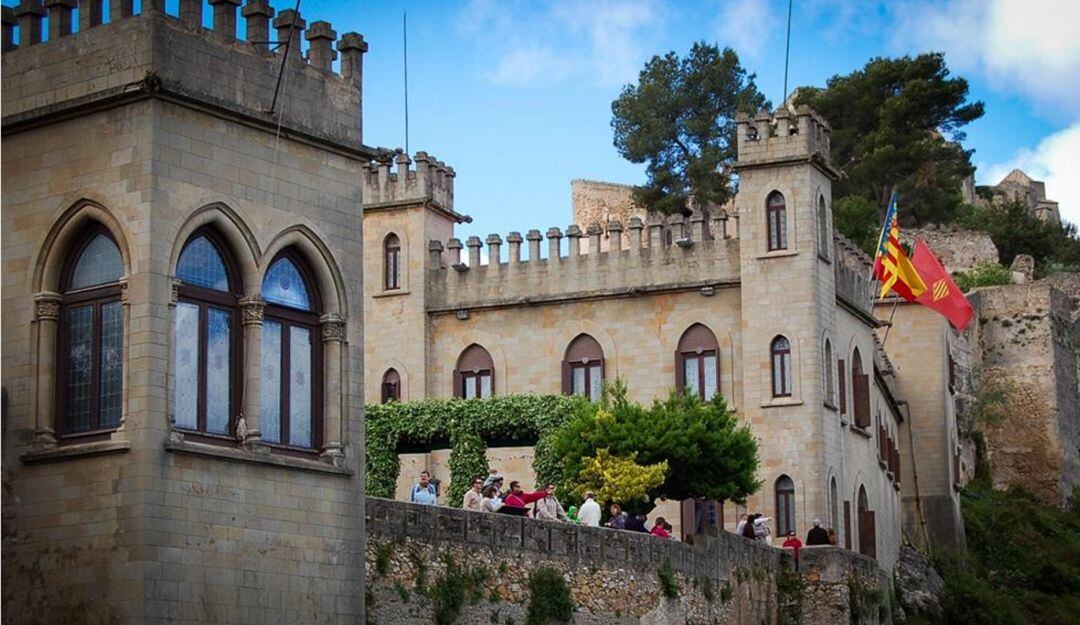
<point x="291" y="366"/>
<point x="776" y="220"/>
<point x="785" y="505"/>
<point x="583" y="368"/>
<point x="860" y="391"/>
<point x="392" y="262"/>
<point x="780" y="351"/>
<point x="867" y="525"/>
<point x="91" y="345"/>
<point x="206" y="337"/>
<point x="824" y="240"/>
<point x="474" y="374"/>
<point x="391" y="386"/>
<point x="697" y="362"/>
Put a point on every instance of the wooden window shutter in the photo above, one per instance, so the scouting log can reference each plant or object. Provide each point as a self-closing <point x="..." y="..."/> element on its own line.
<point x="867" y="534"/>
<point x="847" y="525"/>
<point x="566" y="385"/>
<point x="680" y="374"/>
<point x="843" y="387"/>
<point x="459" y="391"/>
<point x="860" y="395"/>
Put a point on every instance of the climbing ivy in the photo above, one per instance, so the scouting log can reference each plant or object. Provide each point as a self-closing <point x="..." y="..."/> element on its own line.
<point x="467" y="425"/>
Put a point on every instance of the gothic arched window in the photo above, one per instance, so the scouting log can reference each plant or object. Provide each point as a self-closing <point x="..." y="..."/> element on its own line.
<point x="474" y="376"/>
<point x="391" y="386"/>
<point x="827" y="368"/>
<point x="91" y="346"/>
<point x="291" y="402"/>
<point x="583" y="368"/>
<point x="776" y="220"/>
<point x="824" y="242"/>
<point x="785" y="505"/>
<point x="392" y="262"/>
<point x="206" y="337"/>
<point x="697" y="362"/>
<point x="860" y="391"/>
<point x="780" y="352"/>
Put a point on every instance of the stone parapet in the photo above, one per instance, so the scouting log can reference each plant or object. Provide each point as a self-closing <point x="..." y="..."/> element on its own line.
<point x="852" y="268"/>
<point x="677" y="257"/>
<point x="393" y="181"/>
<point x="154" y="53"/>
<point x="783" y="135"/>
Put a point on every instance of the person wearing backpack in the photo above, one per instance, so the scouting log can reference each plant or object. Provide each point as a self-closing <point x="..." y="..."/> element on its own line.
<point x="423" y="493"/>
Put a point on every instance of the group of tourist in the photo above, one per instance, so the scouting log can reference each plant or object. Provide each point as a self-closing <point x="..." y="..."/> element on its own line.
<point x="487" y="495"/>
<point x="756" y="527"/>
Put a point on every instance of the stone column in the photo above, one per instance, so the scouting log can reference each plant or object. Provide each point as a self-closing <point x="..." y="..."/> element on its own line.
<point x="59" y="17"/>
<point x="534" y="238"/>
<point x="9" y="21"/>
<point x="47" y="315"/>
<point x="321" y="53"/>
<point x="252" y="308"/>
<point x="190" y="12"/>
<point x="720" y="224"/>
<point x="435" y="250"/>
<point x="257" y="14"/>
<point x="120" y="9"/>
<point x="290" y="30"/>
<point x="90" y="14"/>
<point x="494" y="243"/>
<point x="635" y="234"/>
<point x="352" y="48"/>
<point x="514" y="241"/>
<point x="225" y="18"/>
<point x="474" y="244"/>
<point x="573" y="241"/>
<point x="29" y="13"/>
<point x="656" y="233"/>
<point x="595" y="232"/>
<point x="333" y="336"/>
<point x="614" y="232"/>
<point x="699" y="228"/>
<point x="554" y="236"/>
<point x="454" y="246"/>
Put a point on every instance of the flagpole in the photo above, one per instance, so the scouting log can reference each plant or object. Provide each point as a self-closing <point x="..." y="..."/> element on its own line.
<point x="896" y="302"/>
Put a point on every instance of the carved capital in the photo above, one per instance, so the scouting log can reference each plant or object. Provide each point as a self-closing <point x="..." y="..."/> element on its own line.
<point x="175" y="296"/>
<point x="44" y="438"/>
<point x="253" y="308"/>
<point x="125" y="292"/>
<point x="47" y="306"/>
<point x="333" y="328"/>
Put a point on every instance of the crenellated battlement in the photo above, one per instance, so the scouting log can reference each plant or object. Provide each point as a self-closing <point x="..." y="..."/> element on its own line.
<point x="153" y="52"/>
<point x="662" y="255"/>
<point x="392" y="181"/>
<point x="852" y="270"/>
<point x="782" y="136"/>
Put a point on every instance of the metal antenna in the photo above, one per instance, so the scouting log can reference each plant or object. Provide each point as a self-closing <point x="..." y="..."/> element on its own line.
<point x="405" y="47"/>
<point x="284" y="58"/>
<point x="787" y="51"/>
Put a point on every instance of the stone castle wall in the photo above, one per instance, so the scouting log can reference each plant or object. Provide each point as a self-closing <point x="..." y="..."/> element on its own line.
<point x="612" y="575"/>
<point x="958" y="250"/>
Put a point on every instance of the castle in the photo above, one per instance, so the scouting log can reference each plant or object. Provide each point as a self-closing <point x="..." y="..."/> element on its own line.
<point x="189" y="337"/>
<point x="762" y="303"/>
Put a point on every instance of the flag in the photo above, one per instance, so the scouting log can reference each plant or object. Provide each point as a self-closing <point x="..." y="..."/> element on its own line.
<point x="942" y="295"/>
<point x="891" y="264"/>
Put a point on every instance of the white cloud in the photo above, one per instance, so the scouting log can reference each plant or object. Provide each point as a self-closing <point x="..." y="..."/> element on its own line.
<point x="1056" y="161"/>
<point x="543" y="43"/>
<point x="1030" y="48"/>
<point x="746" y="25"/>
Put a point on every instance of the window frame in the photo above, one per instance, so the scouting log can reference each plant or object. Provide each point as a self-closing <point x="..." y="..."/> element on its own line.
<point x="394" y="396"/>
<point x="463" y="377"/>
<point x="785" y="524"/>
<point x="288" y="318"/>
<point x="97" y="295"/>
<point x="824" y="240"/>
<point x="593" y="357"/>
<point x="786" y="366"/>
<point x="777" y="240"/>
<point x="698" y="351"/>
<point x="206" y="298"/>
<point x="392" y="262"/>
<point x="830" y="375"/>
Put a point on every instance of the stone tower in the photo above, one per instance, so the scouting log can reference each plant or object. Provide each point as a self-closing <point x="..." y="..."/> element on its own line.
<point x="168" y="456"/>
<point x="783" y="208"/>
<point x="405" y="208"/>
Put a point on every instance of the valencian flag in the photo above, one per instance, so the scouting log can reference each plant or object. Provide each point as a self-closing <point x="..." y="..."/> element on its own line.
<point x="892" y="265"/>
<point x="941" y="294"/>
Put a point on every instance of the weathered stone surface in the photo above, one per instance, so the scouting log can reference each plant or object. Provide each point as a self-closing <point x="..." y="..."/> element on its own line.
<point x="920" y="585"/>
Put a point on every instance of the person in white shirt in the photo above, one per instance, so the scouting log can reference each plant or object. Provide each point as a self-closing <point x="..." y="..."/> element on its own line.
<point x="589" y="514"/>
<point x="424" y="493"/>
<point x="472" y="499"/>
<point x="491" y="502"/>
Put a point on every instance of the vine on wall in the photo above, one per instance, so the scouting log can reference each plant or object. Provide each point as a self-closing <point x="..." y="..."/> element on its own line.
<point x="468" y="424"/>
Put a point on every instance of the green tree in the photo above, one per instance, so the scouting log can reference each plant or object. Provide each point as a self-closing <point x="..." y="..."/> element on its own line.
<point x="679" y="119"/>
<point x="618" y="478"/>
<point x="708" y="453"/>
<point x="1015" y="230"/>
<point x="896" y="126"/>
<point x="856" y="217"/>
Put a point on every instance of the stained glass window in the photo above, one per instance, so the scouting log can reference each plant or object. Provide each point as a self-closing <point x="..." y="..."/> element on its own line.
<point x="270" y="388"/>
<point x="99" y="263"/>
<point x="284" y="285"/>
<point x="80" y="359"/>
<point x="201" y="265"/>
<point x="186" y="384"/>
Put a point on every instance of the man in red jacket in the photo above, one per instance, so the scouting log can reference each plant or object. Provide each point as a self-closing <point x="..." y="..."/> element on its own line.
<point x="517" y="499"/>
<point x="795" y="545"/>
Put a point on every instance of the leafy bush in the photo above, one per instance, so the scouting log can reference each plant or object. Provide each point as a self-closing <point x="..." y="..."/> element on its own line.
<point x="550" y="600"/>
<point x="669" y="586"/>
<point x="984" y="274"/>
<point x="618" y="478"/>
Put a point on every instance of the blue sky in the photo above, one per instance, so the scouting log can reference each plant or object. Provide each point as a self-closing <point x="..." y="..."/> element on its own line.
<point x="516" y="96"/>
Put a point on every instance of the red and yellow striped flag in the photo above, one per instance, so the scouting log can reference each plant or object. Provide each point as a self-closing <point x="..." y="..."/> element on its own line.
<point x="892" y="265"/>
